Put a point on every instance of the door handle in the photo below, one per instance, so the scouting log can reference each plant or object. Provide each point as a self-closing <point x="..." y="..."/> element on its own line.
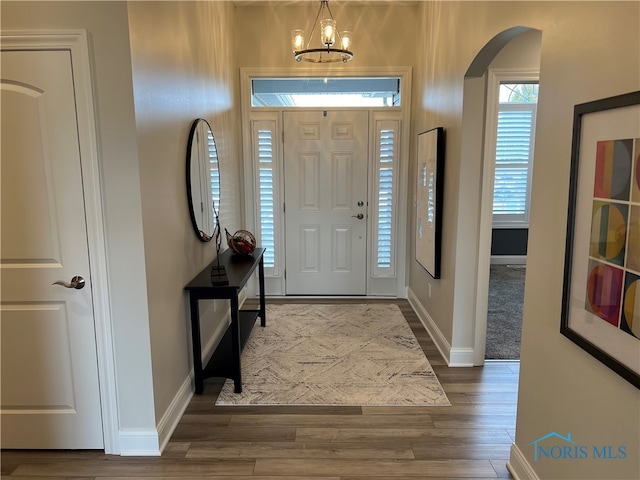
<point x="77" y="282"/>
<point x="359" y="216"/>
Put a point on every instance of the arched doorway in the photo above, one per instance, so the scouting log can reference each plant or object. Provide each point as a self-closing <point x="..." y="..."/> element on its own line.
<point x="513" y="49"/>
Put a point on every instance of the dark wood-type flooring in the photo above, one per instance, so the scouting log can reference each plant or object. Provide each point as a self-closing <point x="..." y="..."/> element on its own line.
<point x="470" y="439"/>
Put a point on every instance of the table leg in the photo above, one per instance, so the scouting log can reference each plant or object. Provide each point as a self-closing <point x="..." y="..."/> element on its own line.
<point x="235" y="344"/>
<point x="263" y="312"/>
<point x="196" y="344"/>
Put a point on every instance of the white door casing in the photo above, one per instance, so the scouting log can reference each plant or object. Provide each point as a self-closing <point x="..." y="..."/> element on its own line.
<point x="378" y="283"/>
<point x="50" y="384"/>
<point x="325" y="170"/>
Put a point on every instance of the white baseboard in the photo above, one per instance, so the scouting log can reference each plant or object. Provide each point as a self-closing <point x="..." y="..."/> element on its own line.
<point x="139" y="442"/>
<point x="461" y="357"/>
<point x="519" y="467"/>
<point x="172" y="416"/>
<point x="441" y="342"/>
<point x="508" y="259"/>
<point x="455" y="357"/>
<point x="180" y="402"/>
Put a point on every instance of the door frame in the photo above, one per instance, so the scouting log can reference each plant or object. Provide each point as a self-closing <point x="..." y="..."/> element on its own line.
<point x="494" y="76"/>
<point x="75" y="41"/>
<point x="275" y="285"/>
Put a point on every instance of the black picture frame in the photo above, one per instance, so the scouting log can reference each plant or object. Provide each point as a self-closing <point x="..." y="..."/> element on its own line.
<point x="602" y="266"/>
<point x="429" y="199"/>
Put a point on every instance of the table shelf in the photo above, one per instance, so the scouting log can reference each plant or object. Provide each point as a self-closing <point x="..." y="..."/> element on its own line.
<point x="219" y="365"/>
<point x="226" y="358"/>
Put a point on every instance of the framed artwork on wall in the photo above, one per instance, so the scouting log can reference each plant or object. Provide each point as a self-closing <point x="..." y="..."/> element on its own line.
<point x="601" y="297"/>
<point x="429" y="195"/>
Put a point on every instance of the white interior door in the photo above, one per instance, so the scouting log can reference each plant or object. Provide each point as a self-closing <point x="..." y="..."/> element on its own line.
<point x="325" y="158"/>
<point x="50" y="393"/>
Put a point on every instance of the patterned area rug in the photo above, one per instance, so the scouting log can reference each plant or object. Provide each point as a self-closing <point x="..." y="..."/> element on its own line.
<point x="349" y="354"/>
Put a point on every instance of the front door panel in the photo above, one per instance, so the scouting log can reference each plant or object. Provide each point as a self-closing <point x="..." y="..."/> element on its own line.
<point x="326" y="197"/>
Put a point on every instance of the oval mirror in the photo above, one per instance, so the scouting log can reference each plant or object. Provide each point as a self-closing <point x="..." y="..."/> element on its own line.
<point x="203" y="180"/>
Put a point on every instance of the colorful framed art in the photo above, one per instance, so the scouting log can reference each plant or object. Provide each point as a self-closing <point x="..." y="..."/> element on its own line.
<point x="601" y="298"/>
<point x="429" y="196"/>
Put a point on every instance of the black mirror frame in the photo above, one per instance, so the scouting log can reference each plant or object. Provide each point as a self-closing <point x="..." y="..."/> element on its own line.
<point x="202" y="236"/>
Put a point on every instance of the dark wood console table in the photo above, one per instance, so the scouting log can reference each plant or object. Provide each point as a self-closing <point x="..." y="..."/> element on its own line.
<point x="225" y="361"/>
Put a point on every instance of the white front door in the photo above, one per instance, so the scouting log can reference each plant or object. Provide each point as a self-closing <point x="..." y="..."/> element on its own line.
<point x="50" y="394"/>
<point x="325" y="169"/>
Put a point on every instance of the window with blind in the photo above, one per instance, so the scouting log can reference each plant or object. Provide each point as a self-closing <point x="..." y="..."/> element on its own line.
<point x="514" y="154"/>
<point x="387" y="137"/>
<point x="264" y="146"/>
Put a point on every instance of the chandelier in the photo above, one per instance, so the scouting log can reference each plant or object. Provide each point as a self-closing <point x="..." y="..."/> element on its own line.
<point x="326" y="53"/>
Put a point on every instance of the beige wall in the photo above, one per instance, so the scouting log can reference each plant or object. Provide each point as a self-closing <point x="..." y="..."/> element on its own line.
<point x="107" y="29"/>
<point x="156" y="68"/>
<point x="589" y="50"/>
<point x="183" y="69"/>
<point x="263" y="32"/>
<point x="523" y="52"/>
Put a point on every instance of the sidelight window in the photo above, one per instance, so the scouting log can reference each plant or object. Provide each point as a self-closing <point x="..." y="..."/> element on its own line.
<point x="387" y="135"/>
<point x="264" y="153"/>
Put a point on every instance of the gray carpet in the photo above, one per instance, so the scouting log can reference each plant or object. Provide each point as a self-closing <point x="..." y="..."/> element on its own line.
<point x="504" y="316"/>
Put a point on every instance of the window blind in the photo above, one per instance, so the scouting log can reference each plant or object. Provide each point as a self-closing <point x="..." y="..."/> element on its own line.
<point x="385" y="198"/>
<point x="514" y="156"/>
<point x="266" y="192"/>
<point x="384" y="224"/>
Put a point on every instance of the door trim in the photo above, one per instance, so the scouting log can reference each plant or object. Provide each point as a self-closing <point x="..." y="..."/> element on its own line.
<point x="275" y="285"/>
<point x="75" y="41"/>
<point x="493" y="78"/>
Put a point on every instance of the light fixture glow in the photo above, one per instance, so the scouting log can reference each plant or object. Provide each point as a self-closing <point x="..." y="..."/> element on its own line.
<point x="346" y="40"/>
<point x="328" y="35"/>
<point x="297" y="39"/>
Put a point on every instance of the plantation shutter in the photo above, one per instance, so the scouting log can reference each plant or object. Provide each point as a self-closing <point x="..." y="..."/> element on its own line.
<point x="264" y="154"/>
<point x="387" y="137"/>
<point x="514" y="159"/>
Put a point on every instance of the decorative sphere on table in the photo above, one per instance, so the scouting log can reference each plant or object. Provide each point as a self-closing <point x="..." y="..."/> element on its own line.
<point x="242" y="242"/>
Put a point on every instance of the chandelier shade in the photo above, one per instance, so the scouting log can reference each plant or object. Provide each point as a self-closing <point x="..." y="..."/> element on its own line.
<point x="333" y="46"/>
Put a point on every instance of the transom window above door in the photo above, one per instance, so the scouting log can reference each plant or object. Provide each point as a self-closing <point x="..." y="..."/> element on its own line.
<point x="326" y="92"/>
